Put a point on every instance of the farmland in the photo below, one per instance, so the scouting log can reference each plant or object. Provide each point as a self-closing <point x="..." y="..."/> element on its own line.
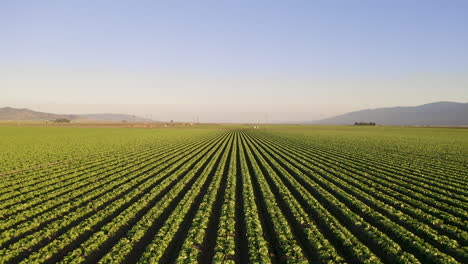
<point x="232" y="194"/>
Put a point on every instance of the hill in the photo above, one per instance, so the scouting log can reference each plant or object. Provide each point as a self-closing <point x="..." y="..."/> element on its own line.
<point x="10" y="113"/>
<point x="433" y="114"/>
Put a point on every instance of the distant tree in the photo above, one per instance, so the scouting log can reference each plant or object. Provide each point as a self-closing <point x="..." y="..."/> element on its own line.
<point x="364" y="123"/>
<point x="62" y="120"/>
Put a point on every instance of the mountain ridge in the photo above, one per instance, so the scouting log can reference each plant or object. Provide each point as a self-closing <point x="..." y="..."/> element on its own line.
<point x="443" y="113"/>
<point x="18" y="114"/>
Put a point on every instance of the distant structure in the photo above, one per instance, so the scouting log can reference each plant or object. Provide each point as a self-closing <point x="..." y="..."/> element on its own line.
<point x="364" y="123"/>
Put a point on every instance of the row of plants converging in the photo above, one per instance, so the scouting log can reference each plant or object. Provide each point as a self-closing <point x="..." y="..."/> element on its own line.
<point x="234" y="196"/>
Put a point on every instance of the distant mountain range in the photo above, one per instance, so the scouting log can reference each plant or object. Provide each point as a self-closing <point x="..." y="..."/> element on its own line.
<point x="9" y="113"/>
<point x="433" y="114"/>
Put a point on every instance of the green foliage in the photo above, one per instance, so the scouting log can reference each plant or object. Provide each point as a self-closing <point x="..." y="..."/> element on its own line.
<point x="301" y="194"/>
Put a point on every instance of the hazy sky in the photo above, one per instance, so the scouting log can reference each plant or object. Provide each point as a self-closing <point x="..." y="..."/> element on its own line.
<point x="232" y="61"/>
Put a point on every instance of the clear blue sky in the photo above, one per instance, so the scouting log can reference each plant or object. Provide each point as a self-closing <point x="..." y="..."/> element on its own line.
<point x="292" y="59"/>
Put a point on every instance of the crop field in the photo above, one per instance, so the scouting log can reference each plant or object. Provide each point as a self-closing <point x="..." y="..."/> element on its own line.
<point x="233" y="194"/>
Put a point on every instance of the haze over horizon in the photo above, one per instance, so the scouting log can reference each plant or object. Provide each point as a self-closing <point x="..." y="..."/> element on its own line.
<point x="231" y="61"/>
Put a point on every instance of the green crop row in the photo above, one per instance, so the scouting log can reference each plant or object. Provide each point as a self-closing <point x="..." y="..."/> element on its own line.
<point x="233" y="194"/>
